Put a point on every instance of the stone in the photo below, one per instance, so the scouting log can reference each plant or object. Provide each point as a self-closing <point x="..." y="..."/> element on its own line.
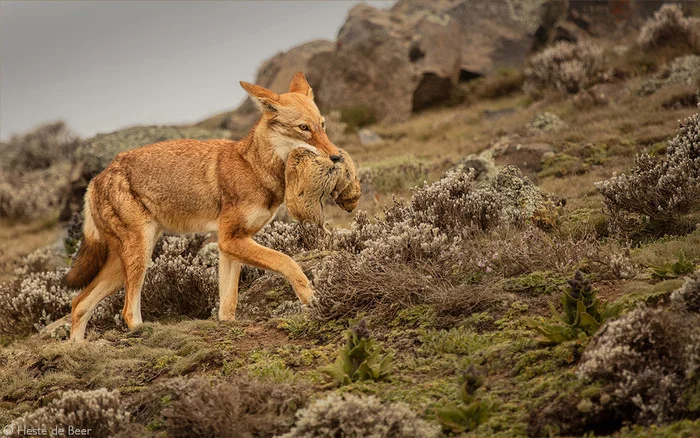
<point x="368" y="138"/>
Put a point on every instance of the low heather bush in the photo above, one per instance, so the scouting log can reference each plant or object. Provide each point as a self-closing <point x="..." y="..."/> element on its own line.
<point x="40" y="148"/>
<point x="293" y="238"/>
<point x="100" y="411"/>
<point x="657" y="194"/>
<point x="669" y="27"/>
<point x="684" y="70"/>
<point x="32" y="301"/>
<point x="34" y="194"/>
<point x="450" y="234"/>
<point x="648" y="360"/>
<point x="565" y="66"/>
<point x="353" y="416"/>
<point x="182" y="281"/>
<point x="242" y="408"/>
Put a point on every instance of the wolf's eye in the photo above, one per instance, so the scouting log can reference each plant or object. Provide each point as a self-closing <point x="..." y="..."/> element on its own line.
<point x="304" y="127"/>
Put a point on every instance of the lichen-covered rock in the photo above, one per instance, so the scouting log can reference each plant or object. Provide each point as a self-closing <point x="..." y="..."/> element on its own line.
<point x="546" y="122"/>
<point x="520" y="198"/>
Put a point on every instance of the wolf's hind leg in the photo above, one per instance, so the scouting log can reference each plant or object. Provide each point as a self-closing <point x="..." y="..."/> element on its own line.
<point x="109" y="280"/>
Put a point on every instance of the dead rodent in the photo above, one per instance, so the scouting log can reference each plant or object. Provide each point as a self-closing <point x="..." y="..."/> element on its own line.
<point x="311" y="178"/>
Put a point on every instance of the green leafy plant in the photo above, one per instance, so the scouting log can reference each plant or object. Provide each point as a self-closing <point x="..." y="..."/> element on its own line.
<point x="583" y="313"/>
<point x="680" y="267"/>
<point x="360" y="359"/>
<point x="472" y="412"/>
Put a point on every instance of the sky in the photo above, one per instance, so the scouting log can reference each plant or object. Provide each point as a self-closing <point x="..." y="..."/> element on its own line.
<point x="104" y="65"/>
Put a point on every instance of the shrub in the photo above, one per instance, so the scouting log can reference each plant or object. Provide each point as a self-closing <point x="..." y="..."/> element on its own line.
<point x="472" y="412"/>
<point x="293" y="238"/>
<point x="684" y="70"/>
<point x="46" y="258"/>
<point x="356" y="117"/>
<point x="40" y="148"/>
<point x="182" y="281"/>
<point x="35" y="194"/>
<point x="647" y="367"/>
<point x="564" y="66"/>
<point x="244" y="407"/>
<point x="360" y="359"/>
<point x="656" y="194"/>
<point x="30" y="303"/>
<point x="99" y="411"/>
<point x="583" y="313"/>
<point x="669" y="27"/>
<point x="353" y="416"/>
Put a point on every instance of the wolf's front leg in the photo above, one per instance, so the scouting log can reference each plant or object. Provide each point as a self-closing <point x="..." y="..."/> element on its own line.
<point x="229" y="274"/>
<point x="247" y="251"/>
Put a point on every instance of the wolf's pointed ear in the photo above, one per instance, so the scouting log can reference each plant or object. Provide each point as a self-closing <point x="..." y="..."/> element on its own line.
<point x="299" y="85"/>
<point x="264" y="98"/>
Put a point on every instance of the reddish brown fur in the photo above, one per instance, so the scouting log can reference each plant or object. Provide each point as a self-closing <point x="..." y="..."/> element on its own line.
<point x="92" y="256"/>
<point x="192" y="186"/>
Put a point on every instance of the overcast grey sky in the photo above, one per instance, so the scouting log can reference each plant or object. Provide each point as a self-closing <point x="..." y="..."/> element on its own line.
<point x="104" y="65"/>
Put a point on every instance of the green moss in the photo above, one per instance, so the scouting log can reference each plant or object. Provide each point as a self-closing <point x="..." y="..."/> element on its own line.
<point x="667" y="248"/>
<point x="679" y="429"/>
<point x="651" y="294"/>
<point x="535" y="283"/>
<point x="580" y="223"/>
<point x="301" y="326"/>
<point x="422" y="316"/>
<point x="560" y="165"/>
<point x="542" y="361"/>
<point x="454" y="341"/>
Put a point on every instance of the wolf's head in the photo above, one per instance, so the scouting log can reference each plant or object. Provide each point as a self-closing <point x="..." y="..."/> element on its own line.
<point x="292" y="119"/>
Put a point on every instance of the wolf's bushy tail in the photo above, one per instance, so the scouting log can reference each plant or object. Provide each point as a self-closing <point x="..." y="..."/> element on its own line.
<point x="92" y="254"/>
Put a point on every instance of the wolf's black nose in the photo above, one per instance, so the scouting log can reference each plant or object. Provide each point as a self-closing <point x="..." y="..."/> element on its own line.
<point x="336" y="158"/>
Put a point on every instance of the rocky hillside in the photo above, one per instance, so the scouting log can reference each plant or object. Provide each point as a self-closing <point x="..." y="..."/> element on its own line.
<point x="524" y="260"/>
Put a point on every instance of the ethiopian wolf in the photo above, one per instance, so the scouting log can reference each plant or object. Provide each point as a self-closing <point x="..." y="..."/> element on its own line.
<point x="233" y="187"/>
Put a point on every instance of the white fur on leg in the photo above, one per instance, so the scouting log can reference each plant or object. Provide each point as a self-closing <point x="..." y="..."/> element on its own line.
<point x="88" y="305"/>
<point x="229" y="274"/>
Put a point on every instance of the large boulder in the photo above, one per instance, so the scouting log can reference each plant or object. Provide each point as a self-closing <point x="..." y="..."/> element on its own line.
<point x="492" y="34"/>
<point x="401" y="60"/>
<point x="94" y="154"/>
<point x="391" y="62"/>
